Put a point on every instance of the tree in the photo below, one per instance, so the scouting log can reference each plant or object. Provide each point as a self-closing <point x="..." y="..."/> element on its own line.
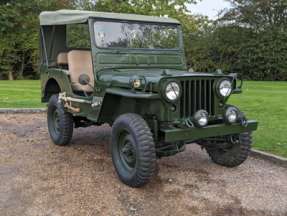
<point x="250" y="38"/>
<point x="11" y="36"/>
<point x="163" y="8"/>
<point x="19" y="25"/>
<point x="257" y="14"/>
<point x="19" y="33"/>
<point x="260" y="49"/>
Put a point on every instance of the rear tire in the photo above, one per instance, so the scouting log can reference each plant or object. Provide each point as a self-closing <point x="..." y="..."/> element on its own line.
<point x="133" y="150"/>
<point x="237" y="154"/>
<point x="60" y="122"/>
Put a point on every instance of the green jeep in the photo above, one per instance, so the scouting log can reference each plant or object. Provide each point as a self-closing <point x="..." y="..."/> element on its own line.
<point x="129" y="71"/>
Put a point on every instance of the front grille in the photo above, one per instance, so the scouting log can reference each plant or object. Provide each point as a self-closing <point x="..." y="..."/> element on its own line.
<point x="197" y="95"/>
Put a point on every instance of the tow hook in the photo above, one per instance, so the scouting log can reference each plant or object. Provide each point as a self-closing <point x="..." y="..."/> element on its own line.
<point x="244" y="122"/>
<point x="189" y="123"/>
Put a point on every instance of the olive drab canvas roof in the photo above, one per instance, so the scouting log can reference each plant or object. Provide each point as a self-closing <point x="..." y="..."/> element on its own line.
<point x="64" y="17"/>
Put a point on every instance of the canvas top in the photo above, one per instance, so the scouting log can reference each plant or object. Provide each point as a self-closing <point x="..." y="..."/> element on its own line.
<point x="64" y="17"/>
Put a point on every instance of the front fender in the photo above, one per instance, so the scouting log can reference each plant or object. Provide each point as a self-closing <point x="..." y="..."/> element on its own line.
<point x="119" y="101"/>
<point x="60" y="78"/>
<point x="129" y="94"/>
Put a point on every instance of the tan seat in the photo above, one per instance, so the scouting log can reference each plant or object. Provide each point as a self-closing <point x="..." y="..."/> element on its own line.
<point x="80" y="62"/>
<point x="62" y="60"/>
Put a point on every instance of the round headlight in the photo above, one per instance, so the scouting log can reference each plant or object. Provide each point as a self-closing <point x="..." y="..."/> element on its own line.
<point x="137" y="83"/>
<point x="172" y="91"/>
<point x="200" y="118"/>
<point x="231" y="115"/>
<point x="225" y="88"/>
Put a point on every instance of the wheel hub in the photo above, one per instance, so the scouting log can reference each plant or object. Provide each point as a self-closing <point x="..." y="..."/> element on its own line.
<point x="126" y="151"/>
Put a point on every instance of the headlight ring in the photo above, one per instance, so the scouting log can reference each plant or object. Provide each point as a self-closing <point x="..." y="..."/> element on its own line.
<point x="171" y="91"/>
<point x="200" y="118"/>
<point x="223" y="88"/>
<point x="231" y="115"/>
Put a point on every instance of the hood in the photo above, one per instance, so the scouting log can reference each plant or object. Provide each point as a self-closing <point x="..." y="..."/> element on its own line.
<point x="121" y="77"/>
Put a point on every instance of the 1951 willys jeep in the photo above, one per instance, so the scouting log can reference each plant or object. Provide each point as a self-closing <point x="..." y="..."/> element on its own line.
<point x="129" y="71"/>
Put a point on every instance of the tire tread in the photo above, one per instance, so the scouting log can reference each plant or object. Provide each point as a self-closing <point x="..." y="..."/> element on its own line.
<point x="145" y="143"/>
<point x="240" y="155"/>
<point x="66" y="121"/>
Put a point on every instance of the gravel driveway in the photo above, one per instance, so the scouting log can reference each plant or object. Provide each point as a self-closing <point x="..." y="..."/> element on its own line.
<point x="40" y="178"/>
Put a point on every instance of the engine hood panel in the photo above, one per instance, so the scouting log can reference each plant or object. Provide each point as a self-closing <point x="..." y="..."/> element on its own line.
<point x="121" y="78"/>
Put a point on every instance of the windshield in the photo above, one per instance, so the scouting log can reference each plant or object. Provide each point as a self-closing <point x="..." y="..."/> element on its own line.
<point x="130" y="35"/>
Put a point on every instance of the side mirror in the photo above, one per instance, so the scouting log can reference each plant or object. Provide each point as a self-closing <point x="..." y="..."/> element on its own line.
<point x="84" y="79"/>
<point x="190" y="70"/>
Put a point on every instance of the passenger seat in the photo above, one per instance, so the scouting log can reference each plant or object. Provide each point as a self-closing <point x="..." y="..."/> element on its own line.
<point x="62" y="60"/>
<point x="80" y="62"/>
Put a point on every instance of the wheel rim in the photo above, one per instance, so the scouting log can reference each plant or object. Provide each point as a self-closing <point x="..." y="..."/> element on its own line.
<point x="126" y="151"/>
<point x="55" y="123"/>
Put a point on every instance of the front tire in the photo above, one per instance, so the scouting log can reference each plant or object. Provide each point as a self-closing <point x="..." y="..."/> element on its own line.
<point x="235" y="155"/>
<point x="133" y="150"/>
<point x="60" y="122"/>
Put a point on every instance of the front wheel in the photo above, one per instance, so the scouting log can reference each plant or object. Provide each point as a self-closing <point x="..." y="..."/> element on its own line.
<point x="133" y="150"/>
<point x="60" y="122"/>
<point x="236" y="154"/>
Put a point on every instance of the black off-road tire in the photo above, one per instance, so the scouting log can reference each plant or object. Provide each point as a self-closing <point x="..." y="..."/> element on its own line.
<point x="237" y="154"/>
<point x="60" y="122"/>
<point x="133" y="150"/>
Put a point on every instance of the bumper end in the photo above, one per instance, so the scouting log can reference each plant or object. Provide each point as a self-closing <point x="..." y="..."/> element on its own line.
<point x="208" y="131"/>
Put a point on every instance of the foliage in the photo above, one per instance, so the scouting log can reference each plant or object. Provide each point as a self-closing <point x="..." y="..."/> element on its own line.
<point x="257" y="14"/>
<point x="78" y="36"/>
<point x="19" y="33"/>
<point x="250" y="38"/>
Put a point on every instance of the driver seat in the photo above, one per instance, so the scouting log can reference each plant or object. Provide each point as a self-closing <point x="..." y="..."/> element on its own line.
<point x="80" y="62"/>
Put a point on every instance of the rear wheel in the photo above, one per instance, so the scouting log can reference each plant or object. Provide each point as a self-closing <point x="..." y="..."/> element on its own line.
<point x="60" y="122"/>
<point x="133" y="150"/>
<point x="235" y="155"/>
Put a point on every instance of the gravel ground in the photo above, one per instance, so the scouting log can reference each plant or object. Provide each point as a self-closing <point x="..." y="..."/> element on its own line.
<point x="40" y="178"/>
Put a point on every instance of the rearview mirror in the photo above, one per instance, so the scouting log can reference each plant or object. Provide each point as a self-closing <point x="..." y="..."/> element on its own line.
<point x="84" y="79"/>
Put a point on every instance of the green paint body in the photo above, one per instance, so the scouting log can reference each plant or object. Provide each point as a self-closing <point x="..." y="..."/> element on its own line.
<point x="113" y="71"/>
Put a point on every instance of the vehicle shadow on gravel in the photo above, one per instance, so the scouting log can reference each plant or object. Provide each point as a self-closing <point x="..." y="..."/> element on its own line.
<point x="40" y="178"/>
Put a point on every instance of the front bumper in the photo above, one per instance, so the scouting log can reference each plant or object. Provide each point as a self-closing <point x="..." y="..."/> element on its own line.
<point x="208" y="131"/>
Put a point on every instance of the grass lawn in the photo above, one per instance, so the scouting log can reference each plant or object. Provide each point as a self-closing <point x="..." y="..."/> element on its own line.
<point x="265" y="102"/>
<point x="20" y="94"/>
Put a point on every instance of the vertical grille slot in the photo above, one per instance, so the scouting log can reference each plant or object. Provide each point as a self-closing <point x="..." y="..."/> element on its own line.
<point x="212" y="98"/>
<point x="192" y="98"/>
<point x="182" y="100"/>
<point x="196" y="95"/>
<point x="202" y="101"/>
<point x="188" y="93"/>
<point x="208" y="98"/>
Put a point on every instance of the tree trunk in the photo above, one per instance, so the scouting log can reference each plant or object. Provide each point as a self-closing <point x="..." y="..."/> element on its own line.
<point x="22" y="68"/>
<point x="10" y="75"/>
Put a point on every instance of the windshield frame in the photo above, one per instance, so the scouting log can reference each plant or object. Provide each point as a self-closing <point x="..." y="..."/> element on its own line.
<point x="137" y="22"/>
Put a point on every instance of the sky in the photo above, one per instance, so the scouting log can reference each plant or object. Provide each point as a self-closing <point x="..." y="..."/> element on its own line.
<point x="208" y="7"/>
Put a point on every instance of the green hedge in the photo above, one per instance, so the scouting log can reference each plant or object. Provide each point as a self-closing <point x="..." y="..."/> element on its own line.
<point x="257" y="55"/>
